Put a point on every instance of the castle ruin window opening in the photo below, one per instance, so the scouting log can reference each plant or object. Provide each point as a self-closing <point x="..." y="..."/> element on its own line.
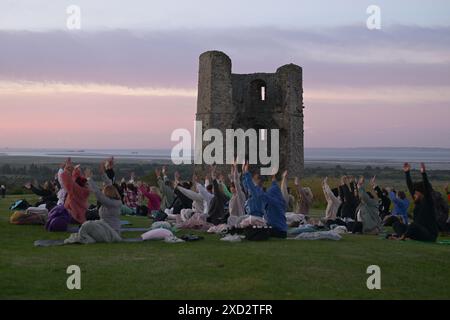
<point x="258" y="90"/>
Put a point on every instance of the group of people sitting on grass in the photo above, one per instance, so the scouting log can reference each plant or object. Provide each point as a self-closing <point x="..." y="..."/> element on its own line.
<point x="237" y="201"/>
<point x="365" y="212"/>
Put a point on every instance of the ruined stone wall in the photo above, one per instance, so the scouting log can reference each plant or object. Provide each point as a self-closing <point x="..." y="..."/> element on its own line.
<point x="233" y="101"/>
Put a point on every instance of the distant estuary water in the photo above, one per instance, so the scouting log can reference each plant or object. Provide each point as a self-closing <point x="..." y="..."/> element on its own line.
<point x="436" y="158"/>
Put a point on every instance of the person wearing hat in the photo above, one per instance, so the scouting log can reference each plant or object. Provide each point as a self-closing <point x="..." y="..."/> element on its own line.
<point x="424" y="227"/>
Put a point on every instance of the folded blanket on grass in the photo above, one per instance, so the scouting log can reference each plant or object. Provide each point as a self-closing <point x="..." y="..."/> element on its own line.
<point x="157" y="234"/>
<point x="321" y="235"/>
<point x="301" y="229"/>
<point x="220" y="229"/>
<point x="197" y="221"/>
<point x="293" y="219"/>
<point x="162" y="225"/>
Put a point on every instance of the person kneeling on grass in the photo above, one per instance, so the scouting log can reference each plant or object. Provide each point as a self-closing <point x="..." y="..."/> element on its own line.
<point x="274" y="204"/>
<point x="424" y="227"/>
<point x="107" y="229"/>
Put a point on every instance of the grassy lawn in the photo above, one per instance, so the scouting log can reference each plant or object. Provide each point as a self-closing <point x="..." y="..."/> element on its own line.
<point x="211" y="269"/>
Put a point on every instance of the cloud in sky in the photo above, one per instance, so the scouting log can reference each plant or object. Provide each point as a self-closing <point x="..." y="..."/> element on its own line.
<point x="400" y="95"/>
<point x="345" y="56"/>
<point x="176" y="14"/>
<point x="48" y="88"/>
<point x="132" y="88"/>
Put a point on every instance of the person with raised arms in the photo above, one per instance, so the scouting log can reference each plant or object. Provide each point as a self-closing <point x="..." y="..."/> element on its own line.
<point x="216" y="212"/>
<point x="333" y="201"/>
<point x="253" y="184"/>
<point x="273" y="202"/>
<point x="165" y="187"/>
<point x="108" y="198"/>
<point x="78" y="192"/>
<point x="368" y="218"/>
<point x="424" y="227"/>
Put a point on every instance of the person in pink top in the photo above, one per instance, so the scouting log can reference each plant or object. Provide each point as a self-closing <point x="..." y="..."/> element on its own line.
<point x="77" y="192"/>
<point x="154" y="199"/>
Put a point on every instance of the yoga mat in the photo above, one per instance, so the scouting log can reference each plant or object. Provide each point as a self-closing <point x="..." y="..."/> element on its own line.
<point x="134" y="240"/>
<point x="75" y="229"/>
<point x="134" y="229"/>
<point x="48" y="243"/>
<point x="55" y="243"/>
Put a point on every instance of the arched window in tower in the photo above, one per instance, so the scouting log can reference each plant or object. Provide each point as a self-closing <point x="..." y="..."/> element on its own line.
<point x="258" y="91"/>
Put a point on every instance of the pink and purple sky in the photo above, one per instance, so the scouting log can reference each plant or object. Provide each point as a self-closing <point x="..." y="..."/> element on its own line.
<point x="128" y="78"/>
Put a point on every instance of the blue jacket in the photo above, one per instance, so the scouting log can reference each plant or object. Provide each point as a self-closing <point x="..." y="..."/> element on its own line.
<point x="400" y="206"/>
<point x="275" y="208"/>
<point x="254" y="202"/>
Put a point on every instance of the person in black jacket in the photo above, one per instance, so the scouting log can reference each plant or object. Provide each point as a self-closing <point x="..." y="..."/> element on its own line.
<point x="424" y="227"/>
<point x="347" y="195"/>
<point x="384" y="201"/>
<point x="181" y="201"/>
<point x="216" y="212"/>
<point x="46" y="192"/>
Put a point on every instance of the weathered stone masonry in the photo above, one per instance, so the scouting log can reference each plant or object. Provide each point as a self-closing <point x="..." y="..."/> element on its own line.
<point x="258" y="100"/>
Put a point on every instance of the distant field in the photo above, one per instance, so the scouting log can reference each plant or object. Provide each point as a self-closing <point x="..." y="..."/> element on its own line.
<point x="211" y="269"/>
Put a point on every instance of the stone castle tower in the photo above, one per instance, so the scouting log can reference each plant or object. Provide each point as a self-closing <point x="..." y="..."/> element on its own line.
<point x="259" y="101"/>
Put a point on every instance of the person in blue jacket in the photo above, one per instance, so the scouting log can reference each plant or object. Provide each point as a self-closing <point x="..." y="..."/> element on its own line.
<point x="253" y="187"/>
<point x="272" y="201"/>
<point x="401" y="205"/>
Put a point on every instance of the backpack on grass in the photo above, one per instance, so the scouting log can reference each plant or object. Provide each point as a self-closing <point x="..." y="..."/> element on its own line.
<point x="257" y="233"/>
<point x="20" y="205"/>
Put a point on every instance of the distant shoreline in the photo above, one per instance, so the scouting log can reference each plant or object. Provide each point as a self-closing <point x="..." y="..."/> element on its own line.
<point x="323" y="158"/>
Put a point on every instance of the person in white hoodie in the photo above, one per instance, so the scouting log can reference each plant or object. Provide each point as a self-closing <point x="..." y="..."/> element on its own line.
<point x="62" y="192"/>
<point x="200" y="196"/>
<point x="333" y="202"/>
